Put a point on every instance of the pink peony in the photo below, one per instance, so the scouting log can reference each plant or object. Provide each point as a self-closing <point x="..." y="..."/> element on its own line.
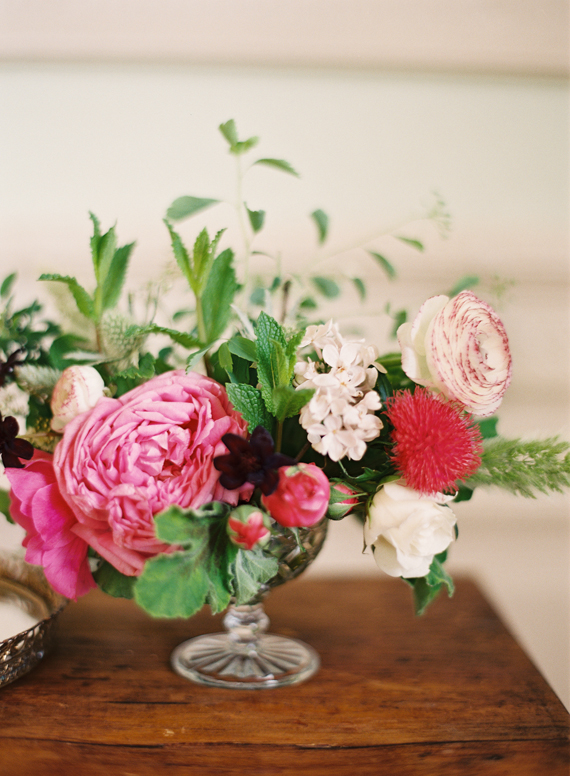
<point x="50" y="542"/>
<point x="458" y="347"/>
<point x="301" y="498"/>
<point x="129" y="458"/>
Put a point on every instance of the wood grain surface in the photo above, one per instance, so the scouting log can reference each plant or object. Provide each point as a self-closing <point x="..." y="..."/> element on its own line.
<point x="448" y="693"/>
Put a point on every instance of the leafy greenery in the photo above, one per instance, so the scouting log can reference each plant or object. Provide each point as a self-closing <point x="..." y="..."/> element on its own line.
<point x="524" y="467"/>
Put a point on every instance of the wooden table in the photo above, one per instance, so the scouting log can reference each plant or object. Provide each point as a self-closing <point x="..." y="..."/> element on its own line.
<point x="449" y="693"/>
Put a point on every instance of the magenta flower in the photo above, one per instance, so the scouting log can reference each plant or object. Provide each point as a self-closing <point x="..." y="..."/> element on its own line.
<point x="247" y="527"/>
<point x="49" y="523"/>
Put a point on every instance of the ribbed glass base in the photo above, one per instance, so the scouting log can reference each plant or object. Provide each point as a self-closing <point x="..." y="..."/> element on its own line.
<point x="245" y="657"/>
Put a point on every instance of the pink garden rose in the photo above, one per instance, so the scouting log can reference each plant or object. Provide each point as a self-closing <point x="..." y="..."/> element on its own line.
<point x="458" y="347"/>
<point x="37" y="505"/>
<point x="301" y="498"/>
<point x="129" y="458"/>
<point x="247" y="527"/>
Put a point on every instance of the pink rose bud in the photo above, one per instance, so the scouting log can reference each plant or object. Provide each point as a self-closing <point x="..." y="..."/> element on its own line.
<point x="347" y="503"/>
<point x="78" y="389"/>
<point x="248" y="527"/>
<point x="301" y="497"/>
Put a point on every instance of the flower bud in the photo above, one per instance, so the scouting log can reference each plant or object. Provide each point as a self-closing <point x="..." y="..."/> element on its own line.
<point x="78" y="389"/>
<point x="301" y="497"/>
<point x="248" y="527"/>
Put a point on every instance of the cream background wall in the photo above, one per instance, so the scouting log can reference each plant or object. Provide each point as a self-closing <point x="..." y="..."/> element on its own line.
<point x="124" y="138"/>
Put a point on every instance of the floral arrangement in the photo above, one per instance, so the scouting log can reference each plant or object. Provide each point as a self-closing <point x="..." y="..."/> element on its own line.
<point x="163" y="474"/>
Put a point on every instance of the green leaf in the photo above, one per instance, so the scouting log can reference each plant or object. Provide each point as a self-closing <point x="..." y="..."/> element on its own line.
<point x="427" y="588"/>
<point x="61" y="349"/>
<point x="463" y="494"/>
<point x="225" y="357"/>
<point x="248" y="402"/>
<point x="253" y="568"/>
<point x="5" y="505"/>
<point x="115" y="279"/>
<point x="183" y="207"/>
<point x="83" y="301"/>
<point x="360" y="287"/>
<point x="419" y="246"/>
<point x="242" y="347"/>
<point x="308" y="303"/>
<point x="272" y="361"/>
<point x="218" y="295"/>
<point x="322" y="221"/>
<point x="326" y="286"/>
<point x="384" y="263"/>
<point x="7" y="285"/>
<point x="469" y="281"/>
<point x="175" y="525"/>
<point x="279" y="164"/>
<point x="182" y="257"/>
<point x="288" y="402"/>
<point x="180" y="337"/>
<point x="193" y="358"/>
<point x="229" y="131"/>
<point x="104" y="255"/>
<point x="113" y="582"/>
<point x="173" y="585"/>
<point x="256" y="219"/>
<point x="488" y="427"/>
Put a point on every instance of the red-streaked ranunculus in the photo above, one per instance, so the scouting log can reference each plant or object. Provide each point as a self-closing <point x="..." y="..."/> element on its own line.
<point x="248" y="527"/>
<point x="78" y="390"/>
<point x="407" y="530"/>
<point x="301" y="497"/>
<point x="37" y="505"/>
<point x="129" y="458"/>
<point x="458" y="347"/>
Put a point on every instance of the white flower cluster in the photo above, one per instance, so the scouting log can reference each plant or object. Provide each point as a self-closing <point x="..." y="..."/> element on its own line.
<point x="339" y="419"/>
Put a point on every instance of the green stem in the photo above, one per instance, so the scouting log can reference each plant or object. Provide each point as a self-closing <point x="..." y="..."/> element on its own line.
<point x="279" y="437"/>
<point x="240" y="207"/>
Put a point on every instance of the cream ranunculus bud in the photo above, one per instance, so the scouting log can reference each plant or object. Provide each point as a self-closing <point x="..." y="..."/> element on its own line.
<point x="406" y="530"/>
<point x="78" y="389"/>
<point x="458" y="347"/>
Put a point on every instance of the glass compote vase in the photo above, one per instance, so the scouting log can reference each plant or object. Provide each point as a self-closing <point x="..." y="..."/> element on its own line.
<point x="245" y="656"/>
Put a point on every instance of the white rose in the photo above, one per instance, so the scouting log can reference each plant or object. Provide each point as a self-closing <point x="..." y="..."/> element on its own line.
<point x="78" y="389"/>
<point x="406" y="530"/>
<point x="460" y="348"/>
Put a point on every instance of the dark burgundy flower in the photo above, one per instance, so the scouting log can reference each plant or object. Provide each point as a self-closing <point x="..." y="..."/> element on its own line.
<point x="251" y="460"/>
<point x="12" y="449"/>
<point x="7" y="367"/>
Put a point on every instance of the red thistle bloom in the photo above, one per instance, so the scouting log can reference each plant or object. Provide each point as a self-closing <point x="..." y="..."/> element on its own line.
<point x="435" y="442"/>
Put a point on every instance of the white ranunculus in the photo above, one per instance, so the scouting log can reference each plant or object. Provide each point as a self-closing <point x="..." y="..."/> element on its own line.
<point x="78" y="389"/>
<point x="458" y="347"/>
<point x="406" y="530"/>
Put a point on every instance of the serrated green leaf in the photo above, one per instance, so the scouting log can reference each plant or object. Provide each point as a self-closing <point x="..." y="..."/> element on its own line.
<point x="180" y="337"/>
<point x="242" y="347"/>
<point x="218" y="295"/>
<point x="173" y="585"/>
<point x="244" y="145"/>
<point x="360" y="287"/>
<point x="322" y="221"/>
<point x="183" y="207"/>
<point x="326" y="286"/>
<point x="419" y="246"/>
<point x="113" y="582"/>
<point x="179" y="526"/>
<point x="272" y="362"/>
<point x="7" y="285"/>
<point x="252" y="570"/>
<point x="384" y="263"/>
<point x="248" y="402"/>
<point x="202" y="258"/>
<point x="279" y="164"/>
<point x="83" y="301"/>
<point x="225" y="357"/>
<point x="466" y="282"/>
<point x="288" y="402"/>
<point x="115" y="279"/>
<point x="256" y="219"/>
